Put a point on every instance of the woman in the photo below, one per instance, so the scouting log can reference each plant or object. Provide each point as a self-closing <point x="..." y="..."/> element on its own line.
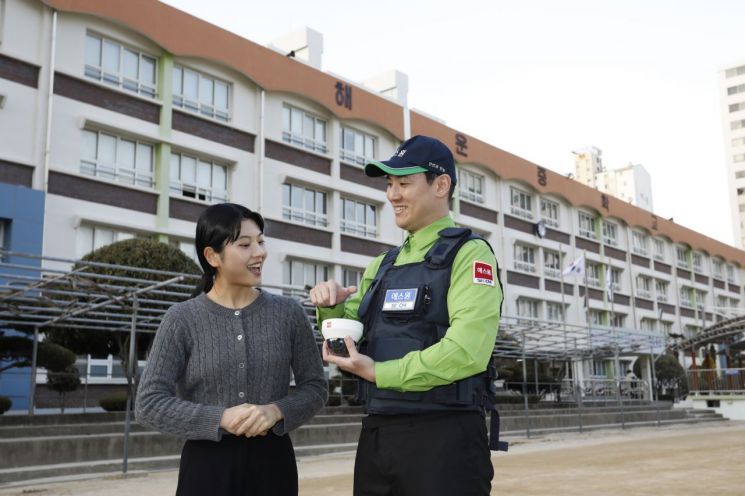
<point x="218" y="373"/>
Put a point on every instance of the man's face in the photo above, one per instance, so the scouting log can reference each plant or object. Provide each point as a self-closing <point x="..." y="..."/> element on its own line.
<point x="416" y="204"/>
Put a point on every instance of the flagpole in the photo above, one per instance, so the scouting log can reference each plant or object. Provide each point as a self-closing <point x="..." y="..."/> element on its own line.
<point x="561" y="267"/>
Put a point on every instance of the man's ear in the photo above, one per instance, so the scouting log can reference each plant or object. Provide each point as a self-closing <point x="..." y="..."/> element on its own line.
<point x="212" y="257"/>
<point x="443" y="183"/>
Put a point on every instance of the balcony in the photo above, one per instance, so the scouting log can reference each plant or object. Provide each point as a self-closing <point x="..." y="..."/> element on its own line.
<point x="521" y="212"/>
<point x="524" y="266"/>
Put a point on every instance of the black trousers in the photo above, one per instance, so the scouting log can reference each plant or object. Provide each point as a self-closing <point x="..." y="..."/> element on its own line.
<point x="431" y="454"/>
<point x="256" y="466"/>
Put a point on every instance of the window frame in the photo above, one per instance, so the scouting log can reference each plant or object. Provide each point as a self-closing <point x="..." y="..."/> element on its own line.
<point x="198" y="107"/>
<point x="177" y="187"/>
<point x="299" y="214"/>
<point x="119" y="80"/>
<point x="546" y="206"/>
<point x="526" y="263"/>
<point x="586" y="231"/>
<point x="301" y="139"/>
<point x="352" y="157"/>
<point x="115" y="172"/>
<point x="354" y="227"/>
<point x="523" y="198"/>
<point x="467" y="177"/>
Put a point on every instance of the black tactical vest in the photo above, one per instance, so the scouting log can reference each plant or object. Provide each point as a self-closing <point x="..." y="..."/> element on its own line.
<point x="406" y="310"/>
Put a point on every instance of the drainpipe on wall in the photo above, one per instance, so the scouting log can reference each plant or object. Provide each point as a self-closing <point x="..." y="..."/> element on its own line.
<point x="50" y="95"/>
<point x="260" y="153"/>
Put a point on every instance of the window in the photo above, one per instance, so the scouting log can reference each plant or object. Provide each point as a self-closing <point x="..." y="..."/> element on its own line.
<point x="117" y="159"/>
<point x="356" y="147"/>
<point x="615" y="277"/>
<point x="521" y="203"/>
<point x="722" y="303"/>
<point x="738" y="141"/>
<point x="598" y="368"/>
<point x="550" y="212"/>
<point x="351" y="277"/>
<point x="639" y="243"/>
<point x="643" y="286"/>
<point x="303" y="129"/>
<point x="471" y="186"/>
<point x="524" y="258"/>
<point x="302" y="275"/>
<point x="527" y="309"/>
<point x="685" y="297"/>
<point x="698" y="262"/>
<point x="700" y="298"/>
<point x="735" y="71"/>
<point x="305" y="205"/>
<point x="666" y="327"/>
<point x="119" y="66"/>
<point x="618" y="320"/>
<point x="552" y="264"/>
<point x="661" y="289"/>
<point x="738" y="157"/>
<point x="200" y="93"/>
<point x="737" y="124"/>
<point x="690" y="331"/>
<point x="734" y="303"/>
<point x="733" y="90"/>
<point x="4" y="228"/>
<point x="197" y="178"/>
<point x="647" y="325"/>
<point x="595" y="316"/>
<point x="659" y="250"/>
<point x="716" y="268"/>
<point x="610" y="233"/>
<point x="681" y="256"/>
<point x="736" y="107"/>
<point x="358" y="218"/>
<point x="554" y="312"/>
<point x="587" y="225"/>
<point x="593" y="274"/>
<point x="730" y="273"/>
<point x="91" y="238"/>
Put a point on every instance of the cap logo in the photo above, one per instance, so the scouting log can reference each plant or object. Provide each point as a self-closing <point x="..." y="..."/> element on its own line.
<point x="400" y="153"/>
<point x="437" y="167"/>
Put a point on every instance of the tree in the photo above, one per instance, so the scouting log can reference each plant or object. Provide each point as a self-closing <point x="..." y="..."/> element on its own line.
<point x="139" y="253"/>
<point x="63" y="382"/>
<point x="16" y="351"/>
<point x="670" y="374"/>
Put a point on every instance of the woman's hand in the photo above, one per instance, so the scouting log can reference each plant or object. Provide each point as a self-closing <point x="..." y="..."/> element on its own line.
<point x="250" y="420"/>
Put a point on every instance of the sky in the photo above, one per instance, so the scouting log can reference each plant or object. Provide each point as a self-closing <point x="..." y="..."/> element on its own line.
<point x="540" y="78"/>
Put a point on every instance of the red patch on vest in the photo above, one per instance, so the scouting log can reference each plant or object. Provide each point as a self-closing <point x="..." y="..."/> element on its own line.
<point x="483" y="273"/>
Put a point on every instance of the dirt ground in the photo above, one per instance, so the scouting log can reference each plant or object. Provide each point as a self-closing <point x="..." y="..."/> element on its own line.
<point x="676" y="460"/>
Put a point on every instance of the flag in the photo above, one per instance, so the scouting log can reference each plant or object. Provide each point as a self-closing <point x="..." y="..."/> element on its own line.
<point x="608" y="284"/>
<point x="577" y="268"/>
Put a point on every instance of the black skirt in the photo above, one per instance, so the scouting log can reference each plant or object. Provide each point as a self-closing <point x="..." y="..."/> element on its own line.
<point x="256" y="466"/>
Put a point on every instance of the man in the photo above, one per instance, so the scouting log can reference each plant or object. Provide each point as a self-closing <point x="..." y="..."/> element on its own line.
<point x="431" y="311"/>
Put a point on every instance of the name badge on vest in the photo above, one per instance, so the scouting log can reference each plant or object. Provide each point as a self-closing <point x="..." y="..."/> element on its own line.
<point x="400" y="300"/>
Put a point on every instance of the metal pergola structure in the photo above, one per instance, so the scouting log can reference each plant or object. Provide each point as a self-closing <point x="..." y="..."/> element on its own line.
<point x="40" y="293"/>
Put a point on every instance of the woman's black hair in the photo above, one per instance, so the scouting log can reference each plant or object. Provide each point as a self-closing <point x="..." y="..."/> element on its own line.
<point x="217" y="226"/>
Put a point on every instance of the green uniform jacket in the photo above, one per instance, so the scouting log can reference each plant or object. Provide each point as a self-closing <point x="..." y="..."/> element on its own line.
<point x="474" y="317"/>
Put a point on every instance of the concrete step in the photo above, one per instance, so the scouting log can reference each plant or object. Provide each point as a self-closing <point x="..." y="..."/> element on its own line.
<point x="34" y="474"/>
<point x="84" y="429"/>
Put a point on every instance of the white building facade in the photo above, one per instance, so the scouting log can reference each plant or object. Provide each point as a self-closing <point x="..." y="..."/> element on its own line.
<point x="128" y="138"/>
